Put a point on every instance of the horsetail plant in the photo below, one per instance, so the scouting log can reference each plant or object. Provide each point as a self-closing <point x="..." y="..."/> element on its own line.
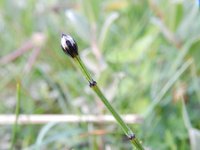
<point x="70" y="48"/>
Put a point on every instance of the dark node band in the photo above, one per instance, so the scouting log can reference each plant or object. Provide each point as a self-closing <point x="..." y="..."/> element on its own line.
<point x="92" y="83"/>
<point x="131" y="136"/>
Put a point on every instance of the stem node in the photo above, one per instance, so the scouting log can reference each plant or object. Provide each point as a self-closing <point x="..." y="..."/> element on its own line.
<point x="131" y="136"/>
<point x="92" y="83"/>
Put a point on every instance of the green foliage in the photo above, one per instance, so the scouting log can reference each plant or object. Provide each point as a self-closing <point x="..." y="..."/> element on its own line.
<point x="143" y="54"/>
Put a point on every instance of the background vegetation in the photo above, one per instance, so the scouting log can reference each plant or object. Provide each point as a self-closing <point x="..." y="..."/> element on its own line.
<point x="143" y="54"/>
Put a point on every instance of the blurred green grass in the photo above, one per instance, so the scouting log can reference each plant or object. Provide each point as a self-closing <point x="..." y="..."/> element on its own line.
<point x="133" y="49"/>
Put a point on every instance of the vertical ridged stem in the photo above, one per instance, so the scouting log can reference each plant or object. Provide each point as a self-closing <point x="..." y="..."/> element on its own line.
<point x="131" y="136"/>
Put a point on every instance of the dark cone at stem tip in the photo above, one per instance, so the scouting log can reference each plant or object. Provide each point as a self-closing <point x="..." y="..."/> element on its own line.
<point x="69" y="45"/>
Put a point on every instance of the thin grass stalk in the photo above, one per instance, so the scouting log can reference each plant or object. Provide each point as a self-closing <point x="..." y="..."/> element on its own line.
<point x="17" y="111"/>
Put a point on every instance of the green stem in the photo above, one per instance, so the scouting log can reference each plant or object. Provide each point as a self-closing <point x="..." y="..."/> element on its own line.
<point x="96" y="89"/>
<point x="17" y="111"/>
<point x="83" y="68"/>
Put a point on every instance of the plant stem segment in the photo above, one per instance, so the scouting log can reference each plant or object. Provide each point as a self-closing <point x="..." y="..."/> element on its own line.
<point x="131" y="136"/>
<point x="17" y="112"/>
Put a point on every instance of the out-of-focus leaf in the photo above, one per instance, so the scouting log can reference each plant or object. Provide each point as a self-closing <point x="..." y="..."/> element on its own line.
<point x="43" y="132"/>
<point x="137" y="52"/>
<point x="116" y="5"/>
<point x="185" y="116"/>
<point x="170" y="140"/>
<point x="184" y="52"/>
<point x="110" y="19"/>
<point x="50" y="133"/>
<point x="91" y="9"/>
<point x="194" y="51"/>
<point x="176" y="15"/>
<point x="80" y="25"/>
<point x="194" y="138"/>
<point x="190" y="25"/>
<point x="194" y="134"/>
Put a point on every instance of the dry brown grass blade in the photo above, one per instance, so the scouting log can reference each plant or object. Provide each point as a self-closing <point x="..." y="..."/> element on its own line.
<point x="41" y="119"/>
